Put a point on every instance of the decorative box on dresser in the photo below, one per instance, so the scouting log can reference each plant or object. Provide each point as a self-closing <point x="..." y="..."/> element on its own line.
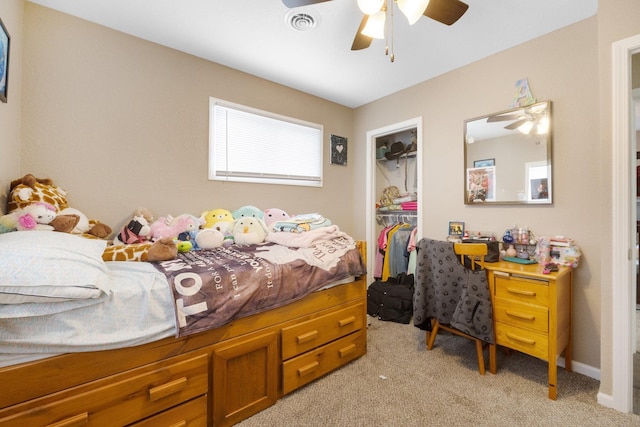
<point x="532" y="312"/>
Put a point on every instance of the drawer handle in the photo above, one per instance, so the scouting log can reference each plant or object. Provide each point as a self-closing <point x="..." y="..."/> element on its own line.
<point x="522" y="292"/>
<point x="76" y="420"/>
<point x="347" y="321"/>
<point x="303" y="338"/>
<point x="521" y="315"/>
<point x="182" y="423"/>
<point x="165" y="390"/>
<point x="347" y="350"/>
<point x="524" y="340"/>
<point x="307" y="369"/>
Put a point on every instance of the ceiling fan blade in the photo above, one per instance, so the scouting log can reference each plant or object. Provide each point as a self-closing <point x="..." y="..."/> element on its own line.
<point x="516" y="124"/>
<point x="503" y="118"/>
<point x="445" y="11"/>
<point x="361" y="41"/>
<point x="299" y="3"/>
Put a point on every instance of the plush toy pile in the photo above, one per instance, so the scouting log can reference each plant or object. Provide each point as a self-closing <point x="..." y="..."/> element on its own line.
<point x="29" y="191"/>
<point x="37" y="204"/>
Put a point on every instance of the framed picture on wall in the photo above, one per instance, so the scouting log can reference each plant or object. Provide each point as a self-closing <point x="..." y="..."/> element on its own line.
<point x="4" y="61"/>
<point x="338" y="150"/>
<point x="484" y="163"/>
<point x="481" y="184"/>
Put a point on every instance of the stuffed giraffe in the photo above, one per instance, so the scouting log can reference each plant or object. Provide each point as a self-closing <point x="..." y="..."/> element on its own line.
<point x="28" y="190"/>
<point x="162" y="250"/>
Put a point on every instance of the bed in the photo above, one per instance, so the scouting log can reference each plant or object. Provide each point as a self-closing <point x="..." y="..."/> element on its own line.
<point x="148" y="345"/>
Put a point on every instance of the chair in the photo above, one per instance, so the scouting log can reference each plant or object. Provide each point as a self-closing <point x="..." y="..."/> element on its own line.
<point x="476" y="253"/>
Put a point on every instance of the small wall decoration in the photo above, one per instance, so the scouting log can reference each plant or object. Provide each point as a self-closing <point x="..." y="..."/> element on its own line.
<point x="484" y="163"/>
<point x="4" y="61"/>
<point x="456" y="228"/>
<point x="524" y="96"/>
<point x="338" y="150"/>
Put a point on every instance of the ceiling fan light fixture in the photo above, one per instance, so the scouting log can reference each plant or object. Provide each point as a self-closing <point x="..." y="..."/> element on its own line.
<point x="375" y="25"/>
<point x="542" y="128"/>
<point x="526" y="127"/>
<point x="412" y="9"/>
<point x="370" y="7"/>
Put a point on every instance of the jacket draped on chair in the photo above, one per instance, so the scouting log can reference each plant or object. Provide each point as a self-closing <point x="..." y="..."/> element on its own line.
<point x="451" y="293"/>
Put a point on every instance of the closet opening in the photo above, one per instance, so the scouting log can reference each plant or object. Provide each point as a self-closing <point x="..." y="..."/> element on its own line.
<point x="394" y="192"/>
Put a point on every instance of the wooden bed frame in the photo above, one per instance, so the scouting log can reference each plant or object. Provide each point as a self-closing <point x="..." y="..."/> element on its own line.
<point x="214" y="378"/>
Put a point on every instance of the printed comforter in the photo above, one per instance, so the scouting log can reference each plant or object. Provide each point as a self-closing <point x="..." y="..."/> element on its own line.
<point x="212" y="287"/>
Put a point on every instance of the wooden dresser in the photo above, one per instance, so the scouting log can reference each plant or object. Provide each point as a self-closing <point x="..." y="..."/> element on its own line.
<point x="532" y="312"/>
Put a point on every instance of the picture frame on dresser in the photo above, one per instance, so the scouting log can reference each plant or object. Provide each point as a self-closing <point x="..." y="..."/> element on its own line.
<point x="5" y="40"/>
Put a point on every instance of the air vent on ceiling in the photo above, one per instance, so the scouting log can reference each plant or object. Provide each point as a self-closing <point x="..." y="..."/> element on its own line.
<point x="301" y="21"/>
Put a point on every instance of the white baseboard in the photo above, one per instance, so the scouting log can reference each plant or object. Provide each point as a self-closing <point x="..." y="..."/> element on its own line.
<point x="581" y="368"/>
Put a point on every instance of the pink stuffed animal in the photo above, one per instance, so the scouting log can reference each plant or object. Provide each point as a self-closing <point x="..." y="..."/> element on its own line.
<point x="36" y="217"/>
<point x="171" y="227"/>
<point x="274" y="215"/>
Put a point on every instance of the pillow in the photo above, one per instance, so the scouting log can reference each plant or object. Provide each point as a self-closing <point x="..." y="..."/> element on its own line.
<point x="47" y="266"/>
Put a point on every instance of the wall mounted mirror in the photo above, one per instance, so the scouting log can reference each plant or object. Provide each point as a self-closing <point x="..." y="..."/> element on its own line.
<point x="507" y="157"/>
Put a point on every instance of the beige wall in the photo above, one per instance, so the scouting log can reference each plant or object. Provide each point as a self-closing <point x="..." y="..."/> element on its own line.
<point x="561" y="67"/>
<point x="121" y="123"/>
<point x="11" y="13"/>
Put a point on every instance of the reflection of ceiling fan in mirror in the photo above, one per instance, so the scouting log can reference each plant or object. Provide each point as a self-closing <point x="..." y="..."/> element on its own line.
<point x="525" y="119"/>
<point x="375" y="11"/>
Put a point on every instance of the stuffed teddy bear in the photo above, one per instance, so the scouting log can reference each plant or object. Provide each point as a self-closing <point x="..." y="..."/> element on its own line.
<point x="274" y="215"/>
<point x="137" y="229"/>
<point x="33" y="217"/>
<point x="247" y="231"/>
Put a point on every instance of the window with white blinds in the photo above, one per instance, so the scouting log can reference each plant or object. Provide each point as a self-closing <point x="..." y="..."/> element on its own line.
<point x="250" y="145"/>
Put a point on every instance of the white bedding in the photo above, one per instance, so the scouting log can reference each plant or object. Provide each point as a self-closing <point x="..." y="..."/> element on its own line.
<point x="138" y="310"/>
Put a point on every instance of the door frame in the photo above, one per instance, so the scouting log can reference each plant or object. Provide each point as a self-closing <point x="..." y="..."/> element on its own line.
<point x="623" y="229"/>
<point x="371" y="197"/>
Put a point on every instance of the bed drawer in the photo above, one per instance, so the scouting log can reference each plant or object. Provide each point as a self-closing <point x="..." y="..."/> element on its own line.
<point x="522" y="315"/>
<point x="315" y="332"/>
<point x="316" y="363"/>
<point x="524" y="340"/>
<point x="119" y="400"/>
<point x="190" y="414"/>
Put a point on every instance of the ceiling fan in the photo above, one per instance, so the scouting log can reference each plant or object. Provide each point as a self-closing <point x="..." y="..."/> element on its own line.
<point x="523" y="119"/>
<point x="444" y="11"/>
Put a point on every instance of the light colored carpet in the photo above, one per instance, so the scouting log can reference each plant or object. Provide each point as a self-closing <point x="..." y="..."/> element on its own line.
<point x="399" y="383"/>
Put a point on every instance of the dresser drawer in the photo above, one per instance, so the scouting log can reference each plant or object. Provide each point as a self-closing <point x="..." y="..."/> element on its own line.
<point x="122" y="399"/>
<point x="526" y="341"/>
<point x="309" y="366"/>
<point x="522" y="315"/>
<point x="190" y="414"/>
<point x="515" y="288"/>
<point x="310" y="334"/>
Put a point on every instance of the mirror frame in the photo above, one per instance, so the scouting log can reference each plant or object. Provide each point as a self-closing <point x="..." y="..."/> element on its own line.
<point x="489" y="172"/>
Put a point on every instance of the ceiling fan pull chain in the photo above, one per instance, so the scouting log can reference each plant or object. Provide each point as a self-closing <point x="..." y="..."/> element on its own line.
<point x="392" y="57"/>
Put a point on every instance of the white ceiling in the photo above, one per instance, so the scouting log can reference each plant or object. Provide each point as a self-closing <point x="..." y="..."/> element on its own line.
<point x="252" y="36"/>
